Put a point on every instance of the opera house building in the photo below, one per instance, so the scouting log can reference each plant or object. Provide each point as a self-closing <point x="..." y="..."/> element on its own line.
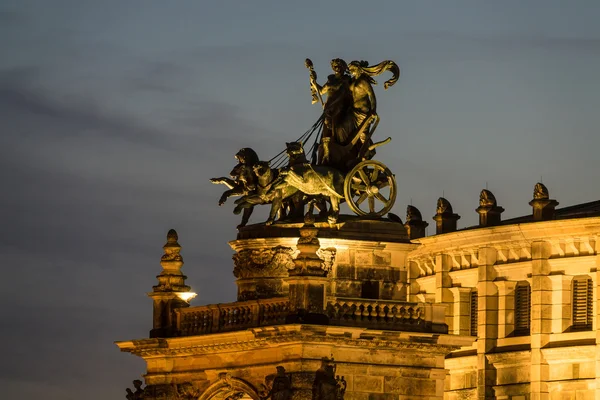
<point x="373" y="309"/>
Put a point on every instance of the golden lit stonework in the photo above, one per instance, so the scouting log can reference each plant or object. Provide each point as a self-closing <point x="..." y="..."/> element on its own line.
<point x="366" y="307"/>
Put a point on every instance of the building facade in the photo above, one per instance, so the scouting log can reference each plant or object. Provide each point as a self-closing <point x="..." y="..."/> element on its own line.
<point x="526" y="288"/>
<point x="373" y="309"/>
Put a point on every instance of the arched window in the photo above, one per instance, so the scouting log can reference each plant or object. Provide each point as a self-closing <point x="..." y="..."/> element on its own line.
<point x="583" y="303"/>
<point x="473" y="318"/>
<point x="522" y="309"/>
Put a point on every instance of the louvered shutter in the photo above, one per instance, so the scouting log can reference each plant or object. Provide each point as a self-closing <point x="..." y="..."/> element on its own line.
<point x="522" y="309"/>
<point x="583" y="306"/>
<point x="474" y="313"/>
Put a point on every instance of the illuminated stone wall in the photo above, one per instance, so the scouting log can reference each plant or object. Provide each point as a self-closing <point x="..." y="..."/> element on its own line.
<point x="557" y="263"/>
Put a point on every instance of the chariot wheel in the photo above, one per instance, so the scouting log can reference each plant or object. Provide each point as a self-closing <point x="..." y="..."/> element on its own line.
<point x="370" y="189"/>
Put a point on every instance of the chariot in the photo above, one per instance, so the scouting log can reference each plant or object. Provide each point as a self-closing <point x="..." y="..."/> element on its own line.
<point x="341" y="167"/>
<point x="369" y="187"/>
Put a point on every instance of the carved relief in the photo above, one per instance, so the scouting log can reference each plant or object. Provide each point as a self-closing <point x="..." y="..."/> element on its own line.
<point x="272" y="262"/>
<point x="328" y="257"/>
<point x="228" y="387"/>
<point x="175" y="391"/>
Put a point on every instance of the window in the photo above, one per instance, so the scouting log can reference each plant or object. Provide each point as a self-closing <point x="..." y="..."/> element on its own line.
<point x="522" y="309"/>
<point x="583" y="303"/>
<point x="474" y="313"/>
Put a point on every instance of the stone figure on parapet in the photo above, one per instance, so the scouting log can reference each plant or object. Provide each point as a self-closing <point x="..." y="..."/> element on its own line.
<point x="487" y="199"/>
<point x="281" y="388"/>
<point x="340" y="167"/>
<point x="328" y="386"/>
<point x="243" y="180"/>
<point x="540" y="192"/>
<point x="139" y="392"/>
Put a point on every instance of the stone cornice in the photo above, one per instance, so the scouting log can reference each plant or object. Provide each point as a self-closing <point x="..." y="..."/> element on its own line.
<point x="257" y="338"/>
<point x="259" y="244"/>
<point x="507" y="235"/>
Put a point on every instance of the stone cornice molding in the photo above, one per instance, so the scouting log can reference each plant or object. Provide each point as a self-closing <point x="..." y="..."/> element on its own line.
<point x="339" y="243"/>
<point x="516" y="235"/>
<point x="513" y="242"/>
<point x="257" y="338"/>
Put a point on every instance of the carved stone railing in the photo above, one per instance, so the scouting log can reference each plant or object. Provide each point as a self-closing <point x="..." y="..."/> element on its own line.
<point x="387" y="314"/>
<point x="232" y="316"/>
<point x="372" y="314"/>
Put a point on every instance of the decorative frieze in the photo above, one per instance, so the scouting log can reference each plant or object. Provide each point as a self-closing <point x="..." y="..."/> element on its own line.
<point x="272" y="262"/>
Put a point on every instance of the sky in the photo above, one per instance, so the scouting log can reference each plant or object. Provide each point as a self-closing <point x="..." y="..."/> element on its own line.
<point x="115" y="114"/>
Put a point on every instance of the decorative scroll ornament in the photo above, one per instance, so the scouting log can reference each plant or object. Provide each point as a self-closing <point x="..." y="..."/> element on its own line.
<point x="273" y="262"/>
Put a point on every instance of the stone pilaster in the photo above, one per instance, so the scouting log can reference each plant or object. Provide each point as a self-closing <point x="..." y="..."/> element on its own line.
<point x="487" y="321"/>
<point x="461" y="314"/>
<point x="541" y="318"/>
<point x="561" y="302"/>
<point x="443" y="282"/>
<point x="308" y="280"/>
<point x="506" y="307"/>
<point x="597" y="308"/>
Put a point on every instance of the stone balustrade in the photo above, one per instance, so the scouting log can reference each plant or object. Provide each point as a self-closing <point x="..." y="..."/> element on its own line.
<point x="387" y="315"/>
<point x="232" y="316"/>
<point x="373" y="314"/>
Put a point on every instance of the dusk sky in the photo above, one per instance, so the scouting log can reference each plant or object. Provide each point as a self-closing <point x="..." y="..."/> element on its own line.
<point x="115" y="114"/>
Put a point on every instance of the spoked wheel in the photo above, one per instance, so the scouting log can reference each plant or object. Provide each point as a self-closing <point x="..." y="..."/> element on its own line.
<point x="370" y="189"/>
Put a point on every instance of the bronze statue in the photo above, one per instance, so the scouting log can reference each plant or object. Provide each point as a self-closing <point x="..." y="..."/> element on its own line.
<point x="350" y="112"/>
<point x="242" y="182"/>
<point x="341" y="166"/>
<point x="312" y="180"/>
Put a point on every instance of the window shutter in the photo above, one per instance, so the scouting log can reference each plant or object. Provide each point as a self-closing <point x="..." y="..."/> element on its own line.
<point x="583" y="303"/>
<point x="522" y="309"/>
<point x="474" y="313"/>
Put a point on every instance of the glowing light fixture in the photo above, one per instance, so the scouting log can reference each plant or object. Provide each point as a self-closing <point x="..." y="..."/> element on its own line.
<point x="186" y="296"/>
